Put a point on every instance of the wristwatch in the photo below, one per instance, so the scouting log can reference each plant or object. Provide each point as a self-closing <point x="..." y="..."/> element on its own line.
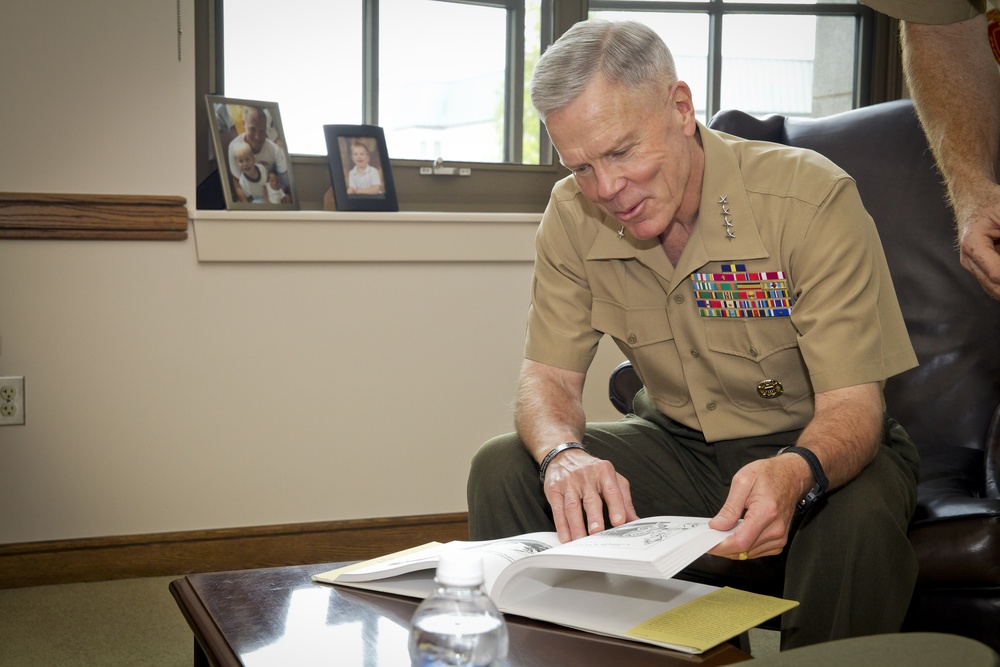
<point x="819" y="488"/>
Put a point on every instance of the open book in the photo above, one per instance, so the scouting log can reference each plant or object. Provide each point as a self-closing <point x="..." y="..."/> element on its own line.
<point x="617" y="582"/>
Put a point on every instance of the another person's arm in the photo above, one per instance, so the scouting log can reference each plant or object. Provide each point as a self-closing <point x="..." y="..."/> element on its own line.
<point x="549" y="412"/>
<point x="953" y="80"/>
<point x="844" y="434"/>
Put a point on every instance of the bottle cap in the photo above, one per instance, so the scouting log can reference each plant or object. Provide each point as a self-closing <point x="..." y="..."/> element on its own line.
<point x="460" y="567"/>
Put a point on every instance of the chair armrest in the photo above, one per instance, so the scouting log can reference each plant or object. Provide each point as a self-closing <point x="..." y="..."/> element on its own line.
<point x="623" y="386"/>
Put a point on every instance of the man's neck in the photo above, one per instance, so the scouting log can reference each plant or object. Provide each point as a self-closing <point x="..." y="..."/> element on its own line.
<point x="675" y="237"/>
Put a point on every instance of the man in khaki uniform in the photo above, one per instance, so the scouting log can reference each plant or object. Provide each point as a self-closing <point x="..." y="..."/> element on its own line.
<point x="951" y="49"/>
<point x="747" y="285"/>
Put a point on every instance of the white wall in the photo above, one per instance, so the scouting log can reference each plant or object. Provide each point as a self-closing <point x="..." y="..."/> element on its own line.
<point x="165" y="394"/>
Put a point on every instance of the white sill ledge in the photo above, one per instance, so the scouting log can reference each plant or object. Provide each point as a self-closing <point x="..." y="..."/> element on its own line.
<point x="327" y="236"/>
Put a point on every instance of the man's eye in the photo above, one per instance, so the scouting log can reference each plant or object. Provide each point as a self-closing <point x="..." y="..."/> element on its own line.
<point x="582" y="170"/>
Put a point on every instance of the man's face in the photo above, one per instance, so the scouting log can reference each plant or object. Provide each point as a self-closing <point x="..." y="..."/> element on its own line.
<point x="630" y="156"/>
<point x="256" y="130"/>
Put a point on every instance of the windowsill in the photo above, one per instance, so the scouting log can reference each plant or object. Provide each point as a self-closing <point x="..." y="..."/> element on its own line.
<point x="327" y="236"/>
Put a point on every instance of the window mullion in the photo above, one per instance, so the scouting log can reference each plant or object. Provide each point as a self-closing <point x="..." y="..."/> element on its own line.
<point x="369" y="62"/>
<point x="714" y="61"/>
<point x="514" y="96"/>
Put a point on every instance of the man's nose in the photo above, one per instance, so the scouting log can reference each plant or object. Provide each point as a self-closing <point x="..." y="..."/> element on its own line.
<point x="609" y="183"/>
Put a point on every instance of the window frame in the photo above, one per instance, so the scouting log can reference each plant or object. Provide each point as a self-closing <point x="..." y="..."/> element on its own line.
<point x="513" y="187"/>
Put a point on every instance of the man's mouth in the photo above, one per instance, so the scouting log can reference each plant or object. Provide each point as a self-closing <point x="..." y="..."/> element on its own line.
<point x="626" y="215"/>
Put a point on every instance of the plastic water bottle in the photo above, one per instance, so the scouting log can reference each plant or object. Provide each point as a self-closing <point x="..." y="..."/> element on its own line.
<point x="458" y="625"/>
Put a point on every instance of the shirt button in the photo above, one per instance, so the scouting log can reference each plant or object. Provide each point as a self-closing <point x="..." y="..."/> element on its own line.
<point x="678" y="298"/>
<point x="632" y="339"/>
<point x="711" y="405"/>
<point x="753" y="352"/>
<point x="694" y="353"/>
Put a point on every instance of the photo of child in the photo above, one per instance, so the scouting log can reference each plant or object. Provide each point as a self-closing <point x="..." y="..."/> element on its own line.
<point x="360" y="169"/>
<point x="250" y="152"/>
<point x="253" y="177"/>
<point x="275" y="192"/>
<point x="364" y="178"/>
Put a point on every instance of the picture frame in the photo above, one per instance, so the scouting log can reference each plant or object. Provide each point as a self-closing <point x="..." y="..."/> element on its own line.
<point x="371" y="190"/>
<point x="255" y="167"/>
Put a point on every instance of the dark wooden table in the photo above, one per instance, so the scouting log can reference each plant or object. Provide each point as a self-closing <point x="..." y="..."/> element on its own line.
<point x="279" y="616"/>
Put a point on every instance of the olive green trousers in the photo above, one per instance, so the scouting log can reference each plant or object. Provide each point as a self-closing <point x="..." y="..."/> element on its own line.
<point x="849" y="563"/>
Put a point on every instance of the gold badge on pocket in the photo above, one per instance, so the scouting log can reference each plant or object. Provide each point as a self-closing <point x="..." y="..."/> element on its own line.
<point x="770" y="389"/>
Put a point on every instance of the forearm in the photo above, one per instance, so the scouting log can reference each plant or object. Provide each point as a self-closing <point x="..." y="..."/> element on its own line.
<point x="549" y="407"/>
<point x="845" y="432"/>
<point x="952" y="76"/>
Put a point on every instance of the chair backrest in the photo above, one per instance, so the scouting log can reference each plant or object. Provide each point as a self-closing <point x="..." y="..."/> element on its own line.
<point x="949" y="404"/>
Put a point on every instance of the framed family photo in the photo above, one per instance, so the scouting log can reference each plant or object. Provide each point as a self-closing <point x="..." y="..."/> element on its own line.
<point x="251" y="153"/>
<point x="359" y="168"/>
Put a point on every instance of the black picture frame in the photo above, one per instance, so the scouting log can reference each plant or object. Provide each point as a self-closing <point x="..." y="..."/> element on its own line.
<point x="342" y="141"/>
<point x="230" y="118"/>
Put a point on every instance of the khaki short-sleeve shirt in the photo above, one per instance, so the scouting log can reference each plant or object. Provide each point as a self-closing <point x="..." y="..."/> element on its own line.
<point x="782" y="291"/>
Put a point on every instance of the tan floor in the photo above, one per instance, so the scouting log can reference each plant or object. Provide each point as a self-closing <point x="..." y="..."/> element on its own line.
<point x="131" y="622"/>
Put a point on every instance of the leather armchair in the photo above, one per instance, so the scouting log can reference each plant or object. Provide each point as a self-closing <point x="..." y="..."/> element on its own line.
<point x="950" y="404"/>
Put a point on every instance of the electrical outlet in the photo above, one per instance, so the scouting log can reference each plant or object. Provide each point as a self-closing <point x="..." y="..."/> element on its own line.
<point x="11" y="401"/>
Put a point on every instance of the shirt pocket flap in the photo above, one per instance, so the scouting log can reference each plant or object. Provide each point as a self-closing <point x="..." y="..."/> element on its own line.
<point x="636" y="326"/>
<point x="754" y="340"/>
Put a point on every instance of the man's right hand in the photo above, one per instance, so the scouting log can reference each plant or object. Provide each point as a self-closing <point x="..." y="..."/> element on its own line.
<point x="578" y="486"/>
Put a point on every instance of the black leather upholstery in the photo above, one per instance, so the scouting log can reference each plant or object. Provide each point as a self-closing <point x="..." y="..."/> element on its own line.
<point x="950" y="404"/>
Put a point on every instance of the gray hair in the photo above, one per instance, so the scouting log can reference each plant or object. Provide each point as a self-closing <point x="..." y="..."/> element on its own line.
<point x="625" y="52"/>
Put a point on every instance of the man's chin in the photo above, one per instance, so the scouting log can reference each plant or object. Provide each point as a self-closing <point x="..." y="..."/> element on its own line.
<point x="644" y="231"/>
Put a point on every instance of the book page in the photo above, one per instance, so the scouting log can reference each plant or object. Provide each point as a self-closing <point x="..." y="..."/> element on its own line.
<point x="711" y="619"/>
<point x="497" y="555"/>
<point x="652" y="547"/>
<point x="606" y="604"/>
<point x="422" y="557"/>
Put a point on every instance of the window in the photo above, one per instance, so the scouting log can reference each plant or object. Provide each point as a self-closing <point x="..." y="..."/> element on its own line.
<point x="447" y="78"/>
<point x="796" y="59"/>
<point x="450" y="73"/>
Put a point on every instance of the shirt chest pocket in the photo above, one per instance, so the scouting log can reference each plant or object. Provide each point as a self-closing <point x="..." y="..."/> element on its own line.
<point x="758" y="361"/>
<point x="644" y="336"/>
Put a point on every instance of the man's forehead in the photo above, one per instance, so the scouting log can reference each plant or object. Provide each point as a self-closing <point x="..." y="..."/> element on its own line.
<point x="581" y="148"/>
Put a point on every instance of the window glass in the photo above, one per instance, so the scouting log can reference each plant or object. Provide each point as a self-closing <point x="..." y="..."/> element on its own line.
<point x="310" y="67"/>
<point x="686" y="35"/>
<point x="806" y="67"/>
<point x="441" y="80"/>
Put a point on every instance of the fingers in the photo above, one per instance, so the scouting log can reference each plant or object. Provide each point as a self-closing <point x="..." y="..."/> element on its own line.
<point x="755" y="497"/>
<point x="579" y="494"/>
<point x="979" y="244"/>
<point x="986" y="271"/>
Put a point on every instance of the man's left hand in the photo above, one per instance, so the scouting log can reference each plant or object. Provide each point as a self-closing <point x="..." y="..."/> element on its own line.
<point x="764" y="494"/>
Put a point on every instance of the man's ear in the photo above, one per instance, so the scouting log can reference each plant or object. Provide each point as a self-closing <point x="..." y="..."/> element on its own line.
<point x="683" y="104"/>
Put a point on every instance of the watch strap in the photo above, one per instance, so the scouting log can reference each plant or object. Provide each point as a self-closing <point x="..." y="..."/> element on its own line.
<point x="822" y="484"/>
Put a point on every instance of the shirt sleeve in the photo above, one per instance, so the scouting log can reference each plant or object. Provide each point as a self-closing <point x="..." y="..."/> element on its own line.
<point x="851" y="330"/>
<point x="559" y="331"/>
<point x="934" y="12"/>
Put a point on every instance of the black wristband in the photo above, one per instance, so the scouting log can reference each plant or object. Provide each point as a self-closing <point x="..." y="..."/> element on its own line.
<point x="543" y="466"/>
<point x="819" y="488"/>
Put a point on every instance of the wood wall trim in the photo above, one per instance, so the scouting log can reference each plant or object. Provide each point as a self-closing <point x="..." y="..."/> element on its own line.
<point x="92" y="217"/>
<point x="162" y="554"/>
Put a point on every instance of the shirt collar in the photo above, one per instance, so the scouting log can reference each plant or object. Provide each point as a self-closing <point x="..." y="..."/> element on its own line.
<point x="709" y="241"/>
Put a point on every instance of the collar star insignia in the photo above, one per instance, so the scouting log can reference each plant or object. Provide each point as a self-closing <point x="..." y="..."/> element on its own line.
<point x="727" y="217"/>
